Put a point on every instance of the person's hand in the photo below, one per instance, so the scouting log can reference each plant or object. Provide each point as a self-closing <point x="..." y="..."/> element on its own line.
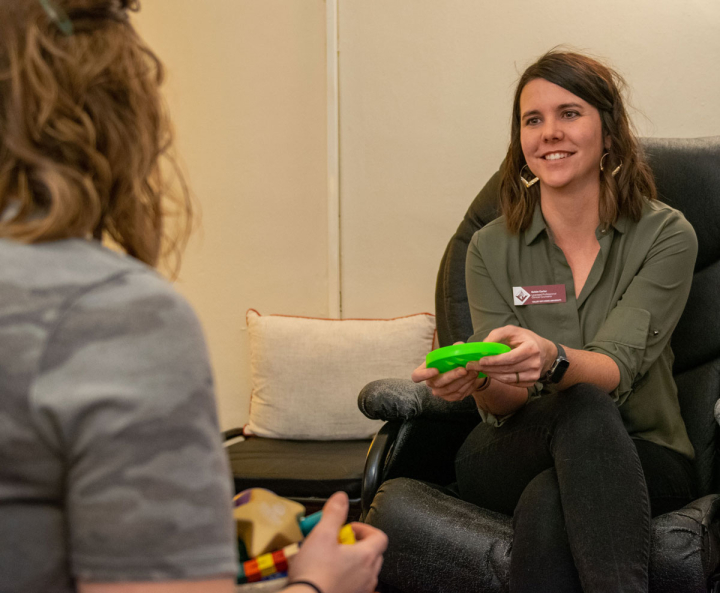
<point x="335" y="567"/>
<point x="452" y="386"/>
<point x="531" y="356"/>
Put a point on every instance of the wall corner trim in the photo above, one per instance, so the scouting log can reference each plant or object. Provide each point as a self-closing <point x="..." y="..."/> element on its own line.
<point x="333" y="163"/>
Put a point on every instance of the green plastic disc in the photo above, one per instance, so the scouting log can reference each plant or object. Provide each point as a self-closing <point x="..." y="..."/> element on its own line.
<point x="450" y="357"/>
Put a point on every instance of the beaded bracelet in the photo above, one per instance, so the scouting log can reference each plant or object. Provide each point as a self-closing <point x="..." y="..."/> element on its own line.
<point x="308" y="583"/>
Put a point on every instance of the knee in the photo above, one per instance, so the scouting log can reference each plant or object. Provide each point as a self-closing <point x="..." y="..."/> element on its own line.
<point x="539" y="512"/>
<point x="589" y="408"/>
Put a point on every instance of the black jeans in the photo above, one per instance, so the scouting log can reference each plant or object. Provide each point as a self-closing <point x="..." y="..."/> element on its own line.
<point x="580" y="490"/>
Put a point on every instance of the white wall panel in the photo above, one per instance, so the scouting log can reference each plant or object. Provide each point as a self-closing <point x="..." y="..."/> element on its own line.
<point x="247" y="92"/>
<point x="425" y="99"/>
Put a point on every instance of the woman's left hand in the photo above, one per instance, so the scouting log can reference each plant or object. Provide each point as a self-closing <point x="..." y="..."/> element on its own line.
<point x="530" y="358"/>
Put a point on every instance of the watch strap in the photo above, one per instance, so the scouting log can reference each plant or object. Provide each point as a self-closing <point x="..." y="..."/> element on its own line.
<point x="558" y="367"/>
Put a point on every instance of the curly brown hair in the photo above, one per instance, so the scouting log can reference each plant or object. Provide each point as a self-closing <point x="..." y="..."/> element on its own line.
<point x="84" y="130"/>
<point x="601" y="87"/>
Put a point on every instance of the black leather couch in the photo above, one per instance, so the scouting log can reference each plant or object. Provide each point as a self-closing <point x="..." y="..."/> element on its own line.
<point x="440" y="543"/>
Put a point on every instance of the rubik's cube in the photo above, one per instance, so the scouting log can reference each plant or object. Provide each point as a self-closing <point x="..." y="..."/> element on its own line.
<point x="274" y="564"/>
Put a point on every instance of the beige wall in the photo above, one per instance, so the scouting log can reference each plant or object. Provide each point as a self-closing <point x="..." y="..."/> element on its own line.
<point x="425" y="93"/>
<point x="425" y="89"/>
<point x="246" y="90"/>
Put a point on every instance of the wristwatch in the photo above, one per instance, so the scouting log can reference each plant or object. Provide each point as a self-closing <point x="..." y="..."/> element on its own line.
<point x="558" y="368"/>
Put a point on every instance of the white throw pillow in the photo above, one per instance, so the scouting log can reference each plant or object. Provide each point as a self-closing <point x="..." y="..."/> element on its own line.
<point x="307" y="372"/>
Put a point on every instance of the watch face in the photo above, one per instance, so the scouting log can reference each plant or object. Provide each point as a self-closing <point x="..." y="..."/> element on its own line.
<point x="561" y="365"/>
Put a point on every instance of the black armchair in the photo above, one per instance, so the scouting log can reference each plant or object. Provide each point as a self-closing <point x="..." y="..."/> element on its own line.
<point x="441" y="543"/>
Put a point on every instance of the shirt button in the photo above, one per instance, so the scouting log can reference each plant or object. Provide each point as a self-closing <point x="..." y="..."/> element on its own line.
<point x="602" y="231"/>
<point x="655" y="332"/>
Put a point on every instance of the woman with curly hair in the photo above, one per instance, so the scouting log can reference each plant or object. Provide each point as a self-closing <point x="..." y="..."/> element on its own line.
<point x="113" y="478"/>
<point x="584" y="276"/>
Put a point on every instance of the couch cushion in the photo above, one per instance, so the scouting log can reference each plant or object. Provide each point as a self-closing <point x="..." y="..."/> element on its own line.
<point x="306" y="373"/>
<point x="299" y="469"/>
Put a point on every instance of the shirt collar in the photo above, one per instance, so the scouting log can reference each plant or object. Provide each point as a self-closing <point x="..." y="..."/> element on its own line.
<point x="537" y="225"/>
<point x="621" y="224"/>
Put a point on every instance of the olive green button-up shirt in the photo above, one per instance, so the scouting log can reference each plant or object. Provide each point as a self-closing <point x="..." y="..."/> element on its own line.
<point x="627" y="310"/>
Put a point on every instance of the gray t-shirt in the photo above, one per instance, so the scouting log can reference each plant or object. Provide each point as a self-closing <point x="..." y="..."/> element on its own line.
<point x="111" y="465"/>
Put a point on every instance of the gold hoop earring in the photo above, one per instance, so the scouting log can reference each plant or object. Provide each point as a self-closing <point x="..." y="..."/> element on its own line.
<point x="528" y="184"/>
<point x="615" y="170"/>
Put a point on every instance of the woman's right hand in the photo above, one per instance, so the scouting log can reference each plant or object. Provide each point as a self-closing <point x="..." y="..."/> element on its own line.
<point x="453" y="386"/>
<point x="334" y="567"/>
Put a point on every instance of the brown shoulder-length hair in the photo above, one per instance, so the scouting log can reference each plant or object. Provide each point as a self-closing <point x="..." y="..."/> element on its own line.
<point x="83" y="130"/>
<point x="601" y="87"/>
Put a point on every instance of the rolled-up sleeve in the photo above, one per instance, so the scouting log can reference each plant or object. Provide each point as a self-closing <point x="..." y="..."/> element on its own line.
<point x="639" y="328"/>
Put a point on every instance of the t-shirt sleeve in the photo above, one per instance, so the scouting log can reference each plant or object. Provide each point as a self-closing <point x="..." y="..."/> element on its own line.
<point x="639" y="328"/>
<point x="124" y="394"/>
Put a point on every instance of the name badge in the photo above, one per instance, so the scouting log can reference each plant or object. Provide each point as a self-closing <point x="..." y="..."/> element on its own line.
<point x="539" y="295"/>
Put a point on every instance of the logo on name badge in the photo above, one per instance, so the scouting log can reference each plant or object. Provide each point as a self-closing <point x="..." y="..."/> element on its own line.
<point x="539" y="295"/>
<point x="520" y="295"/>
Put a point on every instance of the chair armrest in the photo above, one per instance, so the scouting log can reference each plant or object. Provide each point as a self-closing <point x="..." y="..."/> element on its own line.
<point x="375" y="463"/>
<point x="706" y="511"/>
<point x="401" y="399"/>
<point x="422" y="448"/>
<point x="709" y="506"/>
<point x="684" y="552"/>
<point x="421" y="435"/>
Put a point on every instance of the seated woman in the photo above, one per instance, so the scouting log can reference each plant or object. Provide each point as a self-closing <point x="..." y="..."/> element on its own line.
<point x="582" y="440"/>
<point x="113" y="478"/>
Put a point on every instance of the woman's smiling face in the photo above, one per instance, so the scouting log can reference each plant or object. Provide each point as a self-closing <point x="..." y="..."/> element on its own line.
<point x="561" y="136"/>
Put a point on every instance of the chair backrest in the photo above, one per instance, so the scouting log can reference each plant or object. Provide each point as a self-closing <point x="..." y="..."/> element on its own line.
<point x="687" y="173"/>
